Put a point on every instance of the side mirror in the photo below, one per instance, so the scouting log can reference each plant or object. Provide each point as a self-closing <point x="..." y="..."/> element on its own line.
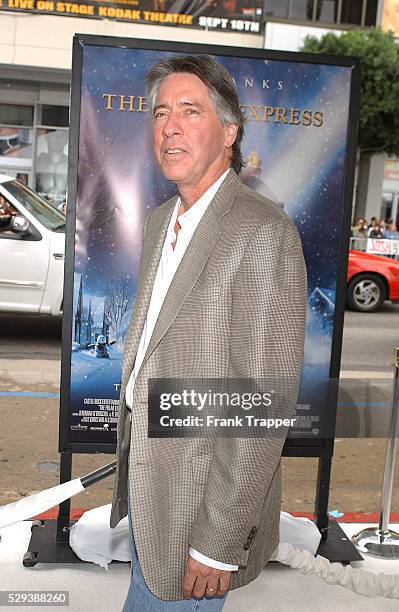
<point x="19" y="224"/>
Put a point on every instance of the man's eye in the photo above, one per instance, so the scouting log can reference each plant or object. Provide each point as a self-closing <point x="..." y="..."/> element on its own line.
<point x="192" y="111"/>
<point x="159" y="115"/>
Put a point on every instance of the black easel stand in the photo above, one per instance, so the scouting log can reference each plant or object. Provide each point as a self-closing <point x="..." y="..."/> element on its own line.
<point x="334" y="545"/>
<point x="49" y="541"/>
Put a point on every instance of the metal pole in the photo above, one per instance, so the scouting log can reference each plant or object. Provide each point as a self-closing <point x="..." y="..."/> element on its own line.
<point x="322" y="491"/>
<point x="64" y="513"/>
<point x="379" y="12"/>
<point x="390" y="453"/>
<point x="383" y="542"/>
<point x="97" y="475"/>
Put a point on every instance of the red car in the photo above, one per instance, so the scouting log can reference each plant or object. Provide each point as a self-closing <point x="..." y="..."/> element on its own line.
<point x="371" y="279"/>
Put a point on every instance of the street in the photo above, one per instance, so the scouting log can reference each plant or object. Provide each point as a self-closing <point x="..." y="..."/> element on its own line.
<point x="30" y="350"/>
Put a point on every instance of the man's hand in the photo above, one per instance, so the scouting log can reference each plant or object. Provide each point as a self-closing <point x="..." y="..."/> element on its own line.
<point x="200" y="580"/>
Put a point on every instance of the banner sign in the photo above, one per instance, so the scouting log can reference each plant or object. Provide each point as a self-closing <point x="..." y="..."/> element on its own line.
<point x="298" y="153"/>
<point x="382" y="246"/>
<point x="228" y="15"/>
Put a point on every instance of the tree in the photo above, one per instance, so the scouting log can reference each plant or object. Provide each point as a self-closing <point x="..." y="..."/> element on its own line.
<point x="379" y="93"/>
<point x="119" y="298"/>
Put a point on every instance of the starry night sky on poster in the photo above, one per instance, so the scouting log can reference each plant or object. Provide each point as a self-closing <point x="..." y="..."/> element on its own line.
<point x="309" y="159"/>
<point x="301" y="167"/>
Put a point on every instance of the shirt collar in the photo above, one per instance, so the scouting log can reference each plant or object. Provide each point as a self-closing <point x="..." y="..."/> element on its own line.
<point x="192" y="216"/>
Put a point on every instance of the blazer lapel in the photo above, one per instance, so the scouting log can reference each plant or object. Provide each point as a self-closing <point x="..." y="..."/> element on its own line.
<point x="150" y="257"/>
<point x="194" y="259"/>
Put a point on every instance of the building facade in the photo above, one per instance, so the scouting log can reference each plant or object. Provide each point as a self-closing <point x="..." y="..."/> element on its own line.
<point x="35" y="67"/>
<point x="287" y="25"/>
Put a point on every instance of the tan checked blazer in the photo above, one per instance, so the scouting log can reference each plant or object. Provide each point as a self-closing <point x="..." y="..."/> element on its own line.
<point x="236" y="307"/>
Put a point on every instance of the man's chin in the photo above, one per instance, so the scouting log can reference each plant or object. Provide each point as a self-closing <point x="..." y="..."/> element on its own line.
<point x="174" y="174"/>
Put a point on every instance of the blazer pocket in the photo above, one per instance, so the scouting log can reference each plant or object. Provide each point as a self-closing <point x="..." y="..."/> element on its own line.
<point x="200" y="467"/>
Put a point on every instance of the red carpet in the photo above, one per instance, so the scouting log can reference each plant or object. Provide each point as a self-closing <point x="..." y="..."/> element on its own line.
<point x="348" y="517"/>
<point x="355" y="517"/>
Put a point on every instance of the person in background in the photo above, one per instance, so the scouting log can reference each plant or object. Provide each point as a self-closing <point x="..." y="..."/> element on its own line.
<point x="7" y="212"/>
<point x="22" y="178"/>
<point x="62" y="207"/>
<point x="373" y="222"/>
<point x="360" y="229"/>
<point x="360" y="233"/>
<point x="376" y="231"/>
<point x="392" y="232"/>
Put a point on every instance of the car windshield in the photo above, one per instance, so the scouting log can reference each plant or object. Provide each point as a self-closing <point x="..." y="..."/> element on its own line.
<point x="42" y="210"/>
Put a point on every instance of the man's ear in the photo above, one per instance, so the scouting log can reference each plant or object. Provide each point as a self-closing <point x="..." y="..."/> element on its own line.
<point x="231" y="134"/>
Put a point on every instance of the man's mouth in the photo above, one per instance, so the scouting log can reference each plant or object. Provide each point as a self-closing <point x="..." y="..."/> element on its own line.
<point x="174" y="151"/>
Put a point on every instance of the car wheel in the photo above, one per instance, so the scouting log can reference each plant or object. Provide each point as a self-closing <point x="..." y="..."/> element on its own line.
<point x="366" y="293"/>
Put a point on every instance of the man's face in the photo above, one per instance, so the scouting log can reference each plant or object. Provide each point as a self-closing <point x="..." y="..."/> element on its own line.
<point x="190" y="143"/>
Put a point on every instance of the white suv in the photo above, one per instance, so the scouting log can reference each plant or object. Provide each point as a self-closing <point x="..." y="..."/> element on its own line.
<point x="32" y="248"/>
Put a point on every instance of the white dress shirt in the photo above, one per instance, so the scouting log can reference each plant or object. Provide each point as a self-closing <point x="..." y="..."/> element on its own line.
<point x="168" y="264"/>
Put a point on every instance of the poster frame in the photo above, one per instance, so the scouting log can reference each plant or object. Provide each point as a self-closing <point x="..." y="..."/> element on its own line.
<point x="297" y="447"/>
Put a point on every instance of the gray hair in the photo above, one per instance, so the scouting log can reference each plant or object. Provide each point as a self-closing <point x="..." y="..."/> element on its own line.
<point x="221" y="88"/>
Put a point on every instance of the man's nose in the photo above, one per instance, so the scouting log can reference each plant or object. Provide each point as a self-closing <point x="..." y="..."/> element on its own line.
<point x="172" y="126"/>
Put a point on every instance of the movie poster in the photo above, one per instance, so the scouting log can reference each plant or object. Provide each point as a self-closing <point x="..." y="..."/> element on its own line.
<point x="295" y="154"/>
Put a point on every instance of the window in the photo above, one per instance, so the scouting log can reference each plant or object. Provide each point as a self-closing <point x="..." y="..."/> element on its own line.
<point x="277" y="8"/>
<point x="39" y="208"/>
<point x="327" y="11"/>
<point x="387" y="206"/>
<point x="34" y="147"/>
<point x="16" y="136"/>
<point x="302" y="9"/>
<point x="57" y="116"/>
<point x="352" y="11"/>
<point x="371" y="12"/>
<point x="16" y="114"/>
<point x="52" y="165"/>
<point x="16" y="146"/>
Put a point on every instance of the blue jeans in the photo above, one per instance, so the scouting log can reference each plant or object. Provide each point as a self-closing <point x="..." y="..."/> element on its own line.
<point x="141" y="599"/>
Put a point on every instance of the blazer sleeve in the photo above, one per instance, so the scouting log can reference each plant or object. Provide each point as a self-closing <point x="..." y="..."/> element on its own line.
<point x="267" y="341"/>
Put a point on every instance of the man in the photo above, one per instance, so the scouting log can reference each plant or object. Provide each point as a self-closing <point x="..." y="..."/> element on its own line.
<point x="222" y="294"/>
